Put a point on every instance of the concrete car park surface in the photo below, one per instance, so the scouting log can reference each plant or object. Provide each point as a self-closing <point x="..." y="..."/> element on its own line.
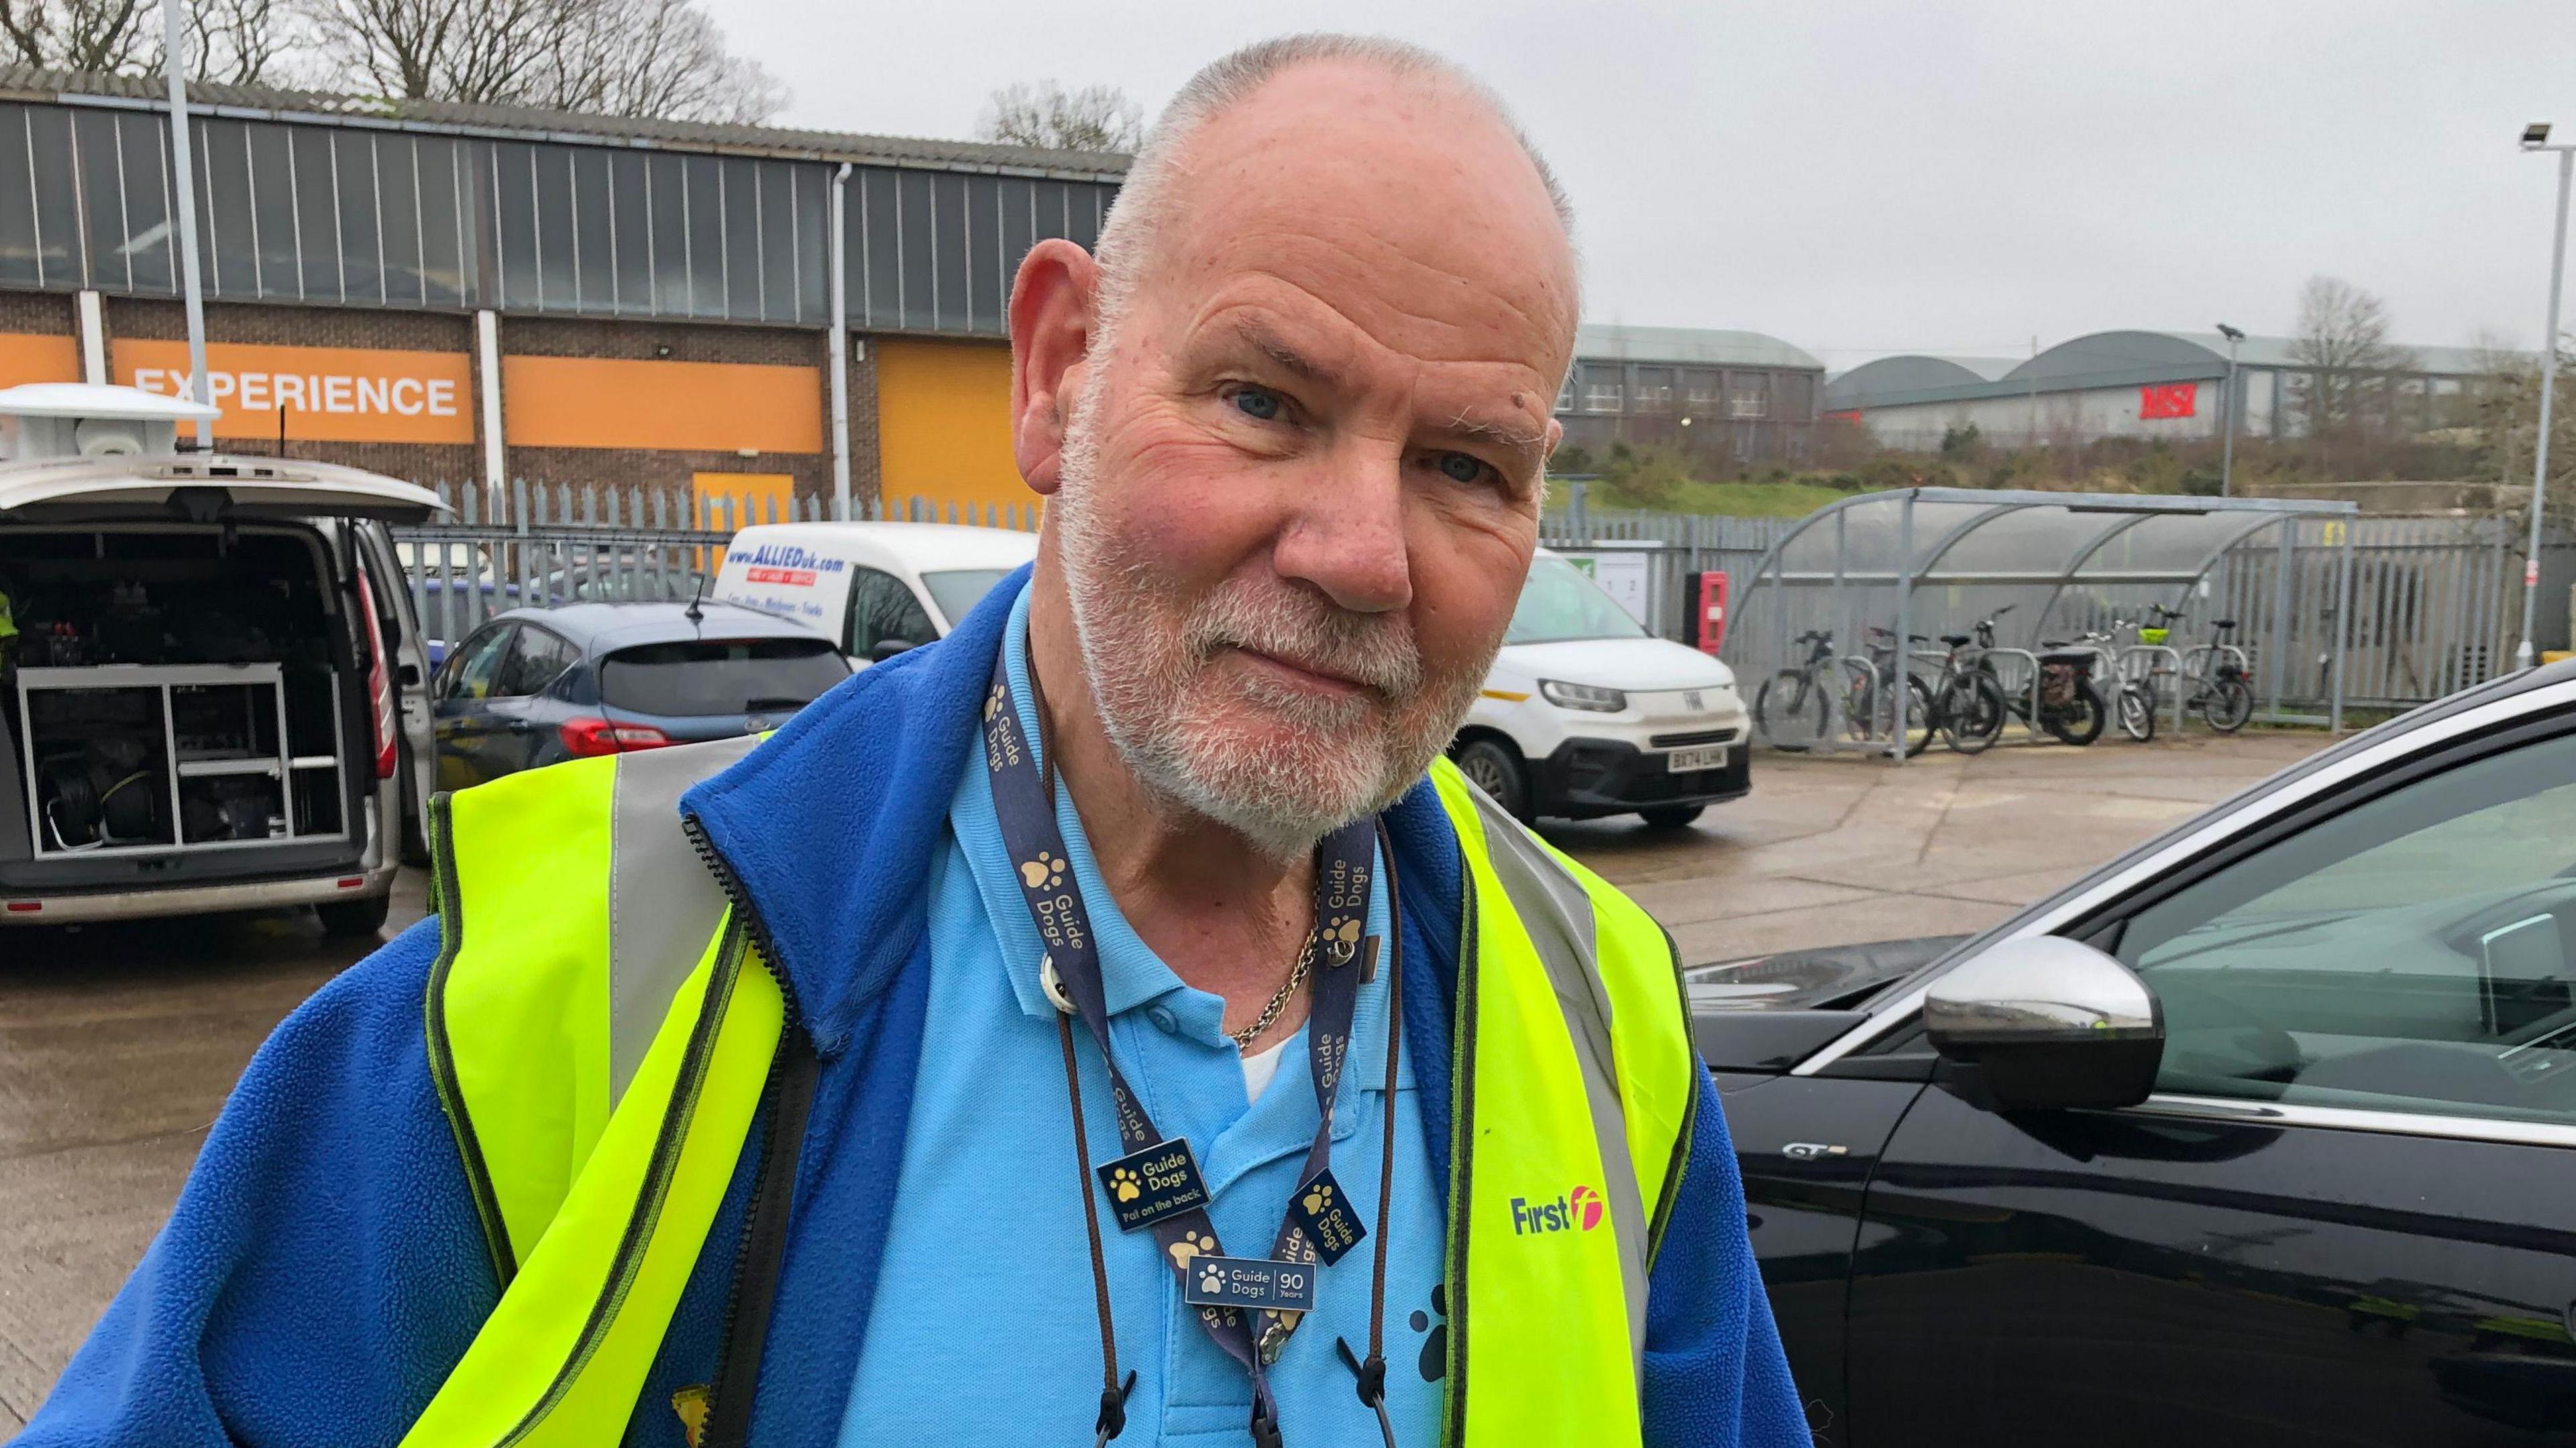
<point x="117" y="1045"/>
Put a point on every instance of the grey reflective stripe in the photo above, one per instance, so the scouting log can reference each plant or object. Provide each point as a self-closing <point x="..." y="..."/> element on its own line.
<point x="664" y="905"/>
<point x="1556" y="913"/>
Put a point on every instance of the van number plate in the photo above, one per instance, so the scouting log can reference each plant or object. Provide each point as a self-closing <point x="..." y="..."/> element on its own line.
<point x="1684" y="761"/>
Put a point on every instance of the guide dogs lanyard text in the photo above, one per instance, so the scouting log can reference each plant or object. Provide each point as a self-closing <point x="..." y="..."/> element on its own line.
<point x="1248" y="1306"/>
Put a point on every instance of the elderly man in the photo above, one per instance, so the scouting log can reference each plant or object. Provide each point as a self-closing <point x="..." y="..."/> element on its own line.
<point x="1094" y="1025"/>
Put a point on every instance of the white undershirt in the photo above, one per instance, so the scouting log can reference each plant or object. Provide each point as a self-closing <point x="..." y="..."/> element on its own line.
<point x="1259" y="1067"/>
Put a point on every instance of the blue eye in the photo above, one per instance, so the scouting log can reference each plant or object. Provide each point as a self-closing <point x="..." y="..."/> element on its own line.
<point x="1461" y="467"/>
<point x="1257" y="404"/>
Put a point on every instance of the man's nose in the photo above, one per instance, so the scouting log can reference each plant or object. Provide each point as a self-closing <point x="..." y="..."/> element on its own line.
<point x="1345" y="535"/>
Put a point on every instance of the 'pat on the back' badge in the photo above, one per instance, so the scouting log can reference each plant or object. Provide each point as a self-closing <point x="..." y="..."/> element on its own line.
<point x="1160" y="1181"/>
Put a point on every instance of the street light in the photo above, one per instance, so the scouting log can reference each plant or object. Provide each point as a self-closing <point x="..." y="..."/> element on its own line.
<point x="2227" y="450"/>
<point x="2535" y="137"/>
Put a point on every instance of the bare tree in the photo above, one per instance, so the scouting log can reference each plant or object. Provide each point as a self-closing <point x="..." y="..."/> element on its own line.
<point x="476" y="51"/>
<point x="2342" y="342"/>
<point x="1046" y="115"/>
<point x="661" y="58"/>
<point x="79" y="34"/>
<point x="654" y="58"/>
<point x="235" y="42"/>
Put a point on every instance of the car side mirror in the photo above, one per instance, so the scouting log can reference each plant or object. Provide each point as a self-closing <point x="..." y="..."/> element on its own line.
<point x="884" y="649"/>
<point x="2049" y="1023"/>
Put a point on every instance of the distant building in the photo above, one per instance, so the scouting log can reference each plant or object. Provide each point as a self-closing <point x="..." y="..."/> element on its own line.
<point x="1727" y="396"/>
<point x="2123" y="384"/>
<point x="456" y="292"/>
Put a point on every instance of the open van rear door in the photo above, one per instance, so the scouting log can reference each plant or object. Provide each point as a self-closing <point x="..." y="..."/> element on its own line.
<point x="203" y="488"/>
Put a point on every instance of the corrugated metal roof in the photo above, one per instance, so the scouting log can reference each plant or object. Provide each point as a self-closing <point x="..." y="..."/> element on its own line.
<point x="1596" y="341"/>
<point x="1912" y="372"/>
<point x="23" y="82"/>
<point x="2105" y="359"/>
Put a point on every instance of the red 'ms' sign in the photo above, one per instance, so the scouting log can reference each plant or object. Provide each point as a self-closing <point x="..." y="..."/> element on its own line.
<point x="2169" y="399"/>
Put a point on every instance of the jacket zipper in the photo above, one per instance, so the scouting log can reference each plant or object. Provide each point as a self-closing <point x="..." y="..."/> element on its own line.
<point x="792" y="1020"/>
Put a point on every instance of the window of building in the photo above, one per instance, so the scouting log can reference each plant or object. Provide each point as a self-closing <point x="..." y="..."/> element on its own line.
<point x="1653" y="391"/>
<point x="1603" y="386"/>
<point x="1748" y="395"/>
<point x="1700" y="389"/>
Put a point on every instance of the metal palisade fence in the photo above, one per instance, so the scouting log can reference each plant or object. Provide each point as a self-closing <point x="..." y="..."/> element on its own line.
<point x="2434" y="601"/>
<point x="544" y="544"/>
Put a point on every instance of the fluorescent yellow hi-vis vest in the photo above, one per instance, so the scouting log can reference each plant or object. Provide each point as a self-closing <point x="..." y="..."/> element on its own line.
<point x="600" y="1028"/>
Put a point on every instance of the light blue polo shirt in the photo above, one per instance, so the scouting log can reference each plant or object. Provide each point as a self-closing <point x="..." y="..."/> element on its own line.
<point x="984" y="1330"/>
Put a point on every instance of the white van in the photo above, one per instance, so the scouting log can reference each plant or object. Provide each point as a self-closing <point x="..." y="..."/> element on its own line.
<point x="874" y="588"/>
<point x="1587" y="714"/>
<point x="210" y="676"/>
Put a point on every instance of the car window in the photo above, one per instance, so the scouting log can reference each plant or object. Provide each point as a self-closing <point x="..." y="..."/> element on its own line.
<point x="958" y="590"/>
<point x="473" y="669"/>
<point x="534" y="662"/>
<point x="1560" y="602"/>
<point x="699" y="677"/>
<point x="882" y="608"/>
<point x="2414" y="953"/>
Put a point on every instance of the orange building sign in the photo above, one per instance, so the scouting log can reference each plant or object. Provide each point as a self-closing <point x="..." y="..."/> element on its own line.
<point x="318" y="394"/>
<point x="36" y="357"/>
<point x="672" y="406"/>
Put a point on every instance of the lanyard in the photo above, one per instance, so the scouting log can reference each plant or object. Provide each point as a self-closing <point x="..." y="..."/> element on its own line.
<point x="1345" y="862"/>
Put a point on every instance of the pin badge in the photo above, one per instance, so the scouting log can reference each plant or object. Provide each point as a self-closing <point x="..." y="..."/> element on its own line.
<point x="1253" y="1284"/>
<point x="1322" y="1210"/>
<point x="1147" y="1186"/>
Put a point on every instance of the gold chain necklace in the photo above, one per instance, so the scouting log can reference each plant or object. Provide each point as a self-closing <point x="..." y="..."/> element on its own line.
<point x="1244" y="1038"/>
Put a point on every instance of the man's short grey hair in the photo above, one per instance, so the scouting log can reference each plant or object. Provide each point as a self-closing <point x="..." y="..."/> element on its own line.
<point x="1143" y="205"/>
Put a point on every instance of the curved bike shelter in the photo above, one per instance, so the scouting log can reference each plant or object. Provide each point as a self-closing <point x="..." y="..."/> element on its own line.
<point x="1934" y="561"/>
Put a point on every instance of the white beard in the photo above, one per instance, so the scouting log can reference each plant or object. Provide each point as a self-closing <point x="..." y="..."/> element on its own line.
<point x="1186" y="731"/>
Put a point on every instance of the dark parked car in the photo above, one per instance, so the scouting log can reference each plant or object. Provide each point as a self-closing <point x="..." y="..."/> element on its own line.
<point x="538" y="685"/>
<point x="2263" y="1134"/>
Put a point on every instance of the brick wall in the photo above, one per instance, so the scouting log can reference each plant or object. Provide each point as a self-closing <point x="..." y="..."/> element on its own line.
<point x="44" y="313"/>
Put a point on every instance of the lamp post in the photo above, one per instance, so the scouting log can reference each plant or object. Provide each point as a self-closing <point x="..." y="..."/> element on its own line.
<point x="2535" y="137"/>
<point x="2227" y="449"/>
<point x="175" y="66"/>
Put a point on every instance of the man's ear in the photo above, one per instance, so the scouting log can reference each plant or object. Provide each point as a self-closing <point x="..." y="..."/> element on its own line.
<point x="1051" y="331"/>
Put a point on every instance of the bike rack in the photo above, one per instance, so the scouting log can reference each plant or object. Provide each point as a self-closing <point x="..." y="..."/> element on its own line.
<point x="1926" y="559"/>
<point x="2173" y="660"/>
<point x="2026" y="684"/>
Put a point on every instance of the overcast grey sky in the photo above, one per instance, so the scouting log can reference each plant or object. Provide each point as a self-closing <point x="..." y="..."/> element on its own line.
<point x="1863" y="178"/>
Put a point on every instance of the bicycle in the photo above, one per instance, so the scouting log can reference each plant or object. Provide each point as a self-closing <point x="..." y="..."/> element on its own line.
<point x="1967" y="702"/>
<point x="2214" y="671"/>
<point x="1790" y="696"/>
<point x="2135" y="703"/>
<point x="2067" y="704"/>
<point x="1878" y="696"/>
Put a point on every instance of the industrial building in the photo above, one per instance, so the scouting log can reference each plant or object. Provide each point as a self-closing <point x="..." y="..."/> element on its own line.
<point x="2171" y="385"/>
<point x="454" y="293"/>
<point x="1731" y="397"/>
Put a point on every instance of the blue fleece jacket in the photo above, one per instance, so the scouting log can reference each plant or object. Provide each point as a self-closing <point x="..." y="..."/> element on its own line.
<point x="322" y="1271"/>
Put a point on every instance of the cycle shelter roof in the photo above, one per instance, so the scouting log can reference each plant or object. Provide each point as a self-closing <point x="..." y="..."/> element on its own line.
<point x="2047" y="566"/>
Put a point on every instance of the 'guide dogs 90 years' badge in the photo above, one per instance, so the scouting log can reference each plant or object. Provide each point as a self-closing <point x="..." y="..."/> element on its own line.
<point x="1250" y="1283"/>
<point x="1158" y="1182"/>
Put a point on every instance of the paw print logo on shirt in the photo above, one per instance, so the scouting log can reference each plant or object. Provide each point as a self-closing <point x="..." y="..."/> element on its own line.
<point x="1190" y="1248"/>
<point x="1211" y="1280"/>
<point x="1122" y="1181"/>
<point x="1318" y="1197"/>
<point x="993" y="702"/>
<point x="1046" y="872"/>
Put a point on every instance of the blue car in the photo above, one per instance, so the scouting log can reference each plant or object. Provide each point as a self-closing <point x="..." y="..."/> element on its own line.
<point x="538" y="685"/>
